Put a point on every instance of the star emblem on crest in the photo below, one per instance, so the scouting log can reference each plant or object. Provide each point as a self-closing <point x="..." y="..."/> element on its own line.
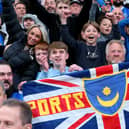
<point x="106" y="91"/>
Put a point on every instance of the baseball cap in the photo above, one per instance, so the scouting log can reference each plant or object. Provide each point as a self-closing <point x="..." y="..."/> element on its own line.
<point x="75" y="1"/>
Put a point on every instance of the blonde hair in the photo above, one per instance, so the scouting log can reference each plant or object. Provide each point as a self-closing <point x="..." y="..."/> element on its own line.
<point x="43" y="32"/>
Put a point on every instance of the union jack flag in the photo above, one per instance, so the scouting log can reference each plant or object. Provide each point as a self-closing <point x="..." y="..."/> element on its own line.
<point x="97" y="98"/>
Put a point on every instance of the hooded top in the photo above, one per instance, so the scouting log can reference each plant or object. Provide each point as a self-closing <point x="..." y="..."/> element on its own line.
<point x="37" y="22"/>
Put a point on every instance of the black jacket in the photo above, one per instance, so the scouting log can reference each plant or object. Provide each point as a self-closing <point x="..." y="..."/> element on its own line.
<point x="52" y="21"/>
<point x="23" y="66"/>
<point x="81" y="50"/>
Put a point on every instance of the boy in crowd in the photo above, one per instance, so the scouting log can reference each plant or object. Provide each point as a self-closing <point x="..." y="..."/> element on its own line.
<point x="88" y="53"/>
<point x="57" y="54"/>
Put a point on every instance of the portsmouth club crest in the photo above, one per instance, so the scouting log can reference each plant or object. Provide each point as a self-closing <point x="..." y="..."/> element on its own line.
<point x="106" y="94"/>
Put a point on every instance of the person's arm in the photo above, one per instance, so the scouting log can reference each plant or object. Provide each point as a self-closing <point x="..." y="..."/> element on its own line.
<point x="68" y="39"/>
<point x="83" y="17"/>
<point x="76" y="23"/>
<point x="75" y="67"/>
<point x="122" y="25"/>
<point x="36" y="8"/>
<point x="116" y="32"/>
<point x="93" y="12"/>
<point x="16" y="57"/>
<point x="12" y="24"/>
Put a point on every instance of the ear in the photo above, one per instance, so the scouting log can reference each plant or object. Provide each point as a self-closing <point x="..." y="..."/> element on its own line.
<point x="67" y="56"/>
<point x="28" y="126"/>
<point x="107" y="58"/>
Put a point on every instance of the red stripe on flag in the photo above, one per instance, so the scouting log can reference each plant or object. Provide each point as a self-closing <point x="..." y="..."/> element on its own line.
<point x="104" y="70"/>
<point x="111" y="122"/>
<point x="81" y="120"/>
<point x="57" y="82"/>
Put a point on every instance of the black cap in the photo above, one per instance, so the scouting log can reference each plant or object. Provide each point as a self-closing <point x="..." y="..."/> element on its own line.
<point x="75" y="1"/>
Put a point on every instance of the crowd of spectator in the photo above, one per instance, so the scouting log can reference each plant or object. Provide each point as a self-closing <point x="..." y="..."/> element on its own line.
<point x="46" y="38"/>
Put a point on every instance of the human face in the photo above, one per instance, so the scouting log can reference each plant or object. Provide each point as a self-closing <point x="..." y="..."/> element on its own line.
<point x="58" y="57"/>
<point x="62" y="9"/>
<point x="28" y="22"/>
<point x="115" y="54"/>
<point x="118" y="14"/>
<point x="107" y="6"/>
<point x="34" y="36"/>
<point x="106" y="26"/>
<point x="75" y="8"/>
<point x="50" y="6"/>
<point x="2" y="96"/>
<point x="90" y="35"/>
<point x="10" y="118"/>
<point x="41" y="55"/>
<point x="20" y="10"/>
<point x="6" y="76"/>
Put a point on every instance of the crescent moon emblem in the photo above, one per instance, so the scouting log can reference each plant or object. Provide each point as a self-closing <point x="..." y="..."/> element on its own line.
<point x="108" y="103"/>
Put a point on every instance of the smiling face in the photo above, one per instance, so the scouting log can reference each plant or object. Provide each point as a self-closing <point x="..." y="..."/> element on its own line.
<point x="106" y="26"/>
<point x="90" y="35"/>
<point x="58" y="57"/>
<point x="41" y="54"/>
<point x="6" y="76"/>
<point x="50" y="5"/>
<point x="115" y="54"/>
<point x="34" y="36"/>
